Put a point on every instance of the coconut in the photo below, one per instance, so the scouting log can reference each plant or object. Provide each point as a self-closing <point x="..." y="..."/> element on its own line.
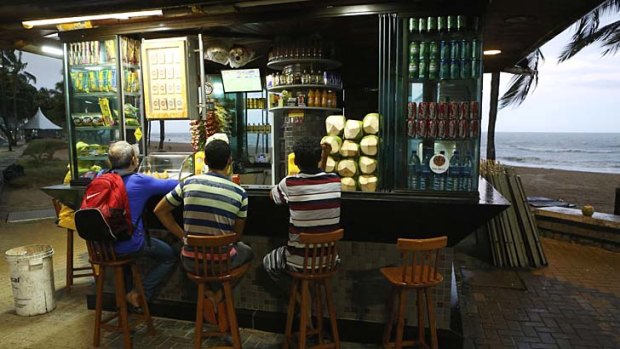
<point x="367" y="165"/>
<point x="330" y="165"/>
<point x="334" y="141"/>
<point x="347" y="168"/>
<point x="349" y="149"/>
<point x="334" y="124"/>
<point x="368" y="183"/>
<point x="353" y="129"/>
<point x="348" y="184"/>
<point x="370" y="145"/>
<point x="371" y="123"/>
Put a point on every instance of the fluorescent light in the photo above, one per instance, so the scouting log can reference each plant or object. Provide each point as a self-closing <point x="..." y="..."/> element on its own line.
<point x="52" y="50"/>
<point x="492" y="52"/>
<point x="123" y="15"/>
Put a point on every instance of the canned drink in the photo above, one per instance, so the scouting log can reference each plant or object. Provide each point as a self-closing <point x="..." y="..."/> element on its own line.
<point x="455" y="50"/>
<point x="432" y="110"/>
<point x="431" y="24"/>
<point x="474" y="110"/>
<point x="444" y="50"/>
<point x="442" y="110"/>
<point x="414" y="51"/>
<point x="422" y="25"/>
<point x="452" y="24"/>
<point x="453" y="110"/>
<point x="466" y="49"/>
<point x="466" y="69"/>
<point x="461" y="23"/>
<point x="474" y="128"/>
<point x="475" y="69"/>
<point x="444" y="69"/>
<point x="421" y="129"/>
<point x="424" y="49"/>
<point x="422" y="69"/>
<point x="455" y="69"/>
<point x="464" y="110"/>
<point x="433" y="69"/>
<point x="475" y="49"/>
<point x="452" y="128"/>
<point x="411" y="128"/>
<point x="422" y="110"/>
<point x="413" y="70"/>
<point x="434" y="49"/>
<point x="413" y="25"/>
<point x="412" y="110"/>
<point x="431" y="129"/>
<point x="441" y="24"/>
<point x="442" y="129"/>
<point x="463" y="129"/>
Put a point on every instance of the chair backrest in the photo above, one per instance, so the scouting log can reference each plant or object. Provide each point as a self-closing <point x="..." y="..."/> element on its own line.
<point x="211" y="254"/>
<point x="420" y="259"/>
<point x="94" y="229"/>
<point x="320" y="252"/>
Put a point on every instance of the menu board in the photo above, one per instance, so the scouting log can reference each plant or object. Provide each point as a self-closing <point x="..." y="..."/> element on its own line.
<point x="165" y="78"/>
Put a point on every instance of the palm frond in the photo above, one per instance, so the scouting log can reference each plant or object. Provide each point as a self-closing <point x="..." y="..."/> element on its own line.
<point x="521" y="84"/>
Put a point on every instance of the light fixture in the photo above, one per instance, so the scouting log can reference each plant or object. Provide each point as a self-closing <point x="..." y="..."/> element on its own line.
<point x="52" y="50"/>
<point x="123" y="15"/>
<point x="492" y="52"/>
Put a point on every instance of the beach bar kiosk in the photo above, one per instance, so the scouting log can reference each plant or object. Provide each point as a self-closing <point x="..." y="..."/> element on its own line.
<point x="395" y="86"/>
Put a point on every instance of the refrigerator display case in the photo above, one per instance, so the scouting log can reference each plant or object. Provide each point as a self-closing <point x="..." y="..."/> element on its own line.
<point x="168" y="165"/>
<point x="103" y="100"/>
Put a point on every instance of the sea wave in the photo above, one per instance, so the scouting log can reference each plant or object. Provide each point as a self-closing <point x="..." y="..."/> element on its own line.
<point x="559" y="150"/>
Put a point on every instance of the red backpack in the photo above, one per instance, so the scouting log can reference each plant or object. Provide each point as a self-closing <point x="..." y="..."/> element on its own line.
<point x="104" y="214"/>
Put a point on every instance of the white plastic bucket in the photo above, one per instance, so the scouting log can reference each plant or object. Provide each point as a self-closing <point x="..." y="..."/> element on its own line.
<point x="32" y="279"/>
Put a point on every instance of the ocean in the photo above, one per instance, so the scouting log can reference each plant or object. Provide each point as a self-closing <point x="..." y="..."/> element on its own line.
<point x="588" y="152"/>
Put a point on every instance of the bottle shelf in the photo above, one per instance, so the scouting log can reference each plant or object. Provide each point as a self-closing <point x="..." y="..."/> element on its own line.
<point x="93" y="66"/>
<point x="95" y="94"/>
<point x="443" y="36"/>
<point x="324" y="63"/>
<point x="95" y="128"/>
<point x="307" y="108"/>
<point x="302" y="86"/>
<point x="93" y="157"/>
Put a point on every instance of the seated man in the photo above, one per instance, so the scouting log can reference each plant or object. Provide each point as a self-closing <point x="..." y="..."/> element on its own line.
<point x="212" y="205"/>
<point x="140" y="188"/>
<point x="313" y="197"/>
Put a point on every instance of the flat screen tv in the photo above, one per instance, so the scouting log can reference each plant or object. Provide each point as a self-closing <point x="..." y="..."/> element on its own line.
<point x="242" y="80"/>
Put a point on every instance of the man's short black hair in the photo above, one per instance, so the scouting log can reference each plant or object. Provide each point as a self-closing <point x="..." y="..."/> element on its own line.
<point x="307" y="153"/>
<point x="217" y="153"/>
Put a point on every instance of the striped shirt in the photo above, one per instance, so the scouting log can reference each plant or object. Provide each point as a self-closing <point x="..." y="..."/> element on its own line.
<point x="211" y="204"/>
<point x="314" y="207"/>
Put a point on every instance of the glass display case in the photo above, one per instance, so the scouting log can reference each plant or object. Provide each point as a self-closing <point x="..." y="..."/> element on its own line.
<point x="103" y="99"/>
<point x="168" y="165"/>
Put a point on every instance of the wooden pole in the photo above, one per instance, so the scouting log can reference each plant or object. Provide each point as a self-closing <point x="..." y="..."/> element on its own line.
<point x="492" y="116"/>
<point x="617" y="204"/>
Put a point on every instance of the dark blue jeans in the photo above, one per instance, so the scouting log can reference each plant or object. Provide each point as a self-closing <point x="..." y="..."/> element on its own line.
<point x="165" y="259"/>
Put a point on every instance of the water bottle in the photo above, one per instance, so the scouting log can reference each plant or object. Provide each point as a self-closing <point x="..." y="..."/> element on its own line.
<point x="439" y="179"/>
<point x="425" y="170"/>
<point x="414" y="170"/>
<point x="454" y="172"/>
<point x="466" y="173"/>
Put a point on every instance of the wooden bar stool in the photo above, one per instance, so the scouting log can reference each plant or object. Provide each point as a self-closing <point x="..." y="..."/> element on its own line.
<point x="102" y="255"/>
<point x="320" y="264"/>
<point x="212" y="265"/>
<point x="72" y="272"/>
<point x="418" y="271"/>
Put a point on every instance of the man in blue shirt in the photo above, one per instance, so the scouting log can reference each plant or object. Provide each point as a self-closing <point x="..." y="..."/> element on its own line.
<point x="140" y="188"/>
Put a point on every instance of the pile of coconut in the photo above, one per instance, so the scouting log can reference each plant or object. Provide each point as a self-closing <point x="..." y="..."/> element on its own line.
<point x="353" y="158"/>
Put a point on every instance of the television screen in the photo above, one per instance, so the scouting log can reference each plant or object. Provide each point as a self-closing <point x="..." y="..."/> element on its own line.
<point x="241" y="80"/>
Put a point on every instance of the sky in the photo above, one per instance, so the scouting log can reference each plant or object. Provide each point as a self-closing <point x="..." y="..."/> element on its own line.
<point x="579" y="95"/>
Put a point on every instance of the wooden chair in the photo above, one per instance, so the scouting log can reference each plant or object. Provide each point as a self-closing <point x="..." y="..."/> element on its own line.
<point x="72" y="272"/>
<point x="320" y="263"/>
<point x="418" y="271"/>
<point x="215" y="269"/>
<point x="102" y="255"/>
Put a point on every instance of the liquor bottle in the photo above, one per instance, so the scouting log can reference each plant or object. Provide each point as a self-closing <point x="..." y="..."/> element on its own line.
<point x="317" y="98"/>
<point x="466" y="173"/>
<point x="324" y="99"/>
<point x="310" y="98"/>
<point x="414" y="169"/>
<point x="454" y="172"/>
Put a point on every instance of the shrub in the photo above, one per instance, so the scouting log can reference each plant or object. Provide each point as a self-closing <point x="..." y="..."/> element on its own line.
<point x="44" y="149"/>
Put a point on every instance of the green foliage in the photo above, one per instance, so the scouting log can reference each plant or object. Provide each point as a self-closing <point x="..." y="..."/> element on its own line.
<point x="43" y="149"/>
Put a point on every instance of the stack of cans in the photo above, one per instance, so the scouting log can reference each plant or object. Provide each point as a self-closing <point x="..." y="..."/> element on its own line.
<point x="443" y="60"/>
<point x="443" y="120"/>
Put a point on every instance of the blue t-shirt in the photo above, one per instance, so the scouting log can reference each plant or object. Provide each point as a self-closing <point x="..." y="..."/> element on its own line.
<point x="140" y="188"/>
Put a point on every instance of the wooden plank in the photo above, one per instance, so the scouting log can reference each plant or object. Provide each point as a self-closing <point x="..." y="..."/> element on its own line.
<point x="505" y="226"/>
<point x="532" y="222"/>
<point x="527" y="229"/>
<point x="515" y="227"/>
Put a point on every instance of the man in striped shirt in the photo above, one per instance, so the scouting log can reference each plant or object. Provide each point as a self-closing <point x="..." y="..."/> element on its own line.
<point x="313" y="197"/>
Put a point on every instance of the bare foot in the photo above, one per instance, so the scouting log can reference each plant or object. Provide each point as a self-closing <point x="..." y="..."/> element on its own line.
<point x="133" y="298"/>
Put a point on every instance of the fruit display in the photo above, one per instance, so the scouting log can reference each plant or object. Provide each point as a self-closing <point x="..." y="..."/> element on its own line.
<point x="198" y="132"/>
<point x="354" y="158"/>
<point x="218" y="121"/>
<point x="85" y="149"/>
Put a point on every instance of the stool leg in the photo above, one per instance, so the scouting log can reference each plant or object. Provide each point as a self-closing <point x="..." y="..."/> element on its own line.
<point x="431" y="317"/>
<point x="401" y="318"/>
<point x="98" y="306"/>
<point x="387" y="334"/>
<point x="69" y="279"/>
<point x="199" y="316"/>
<point x="137" y="280"/>
<point x="318" y="306"/>
<point x="232" y="316"/>
<point x="332" y="312"/>
<point x="123" y="320"/>
<point x="420" y="306"/>
<point x="303" y="321"/>
<point x="288" y="332"/>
